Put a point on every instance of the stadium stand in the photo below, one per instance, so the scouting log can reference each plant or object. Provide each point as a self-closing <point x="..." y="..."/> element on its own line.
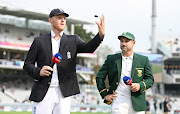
<point x="5" y="98"/>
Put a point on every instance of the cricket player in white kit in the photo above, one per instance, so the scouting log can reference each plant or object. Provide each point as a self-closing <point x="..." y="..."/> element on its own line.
<point x="53" y="86"/>
<point x="125" y="99"/>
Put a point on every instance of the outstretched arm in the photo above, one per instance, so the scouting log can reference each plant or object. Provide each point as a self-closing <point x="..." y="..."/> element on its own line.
<point x="91" y="46"/>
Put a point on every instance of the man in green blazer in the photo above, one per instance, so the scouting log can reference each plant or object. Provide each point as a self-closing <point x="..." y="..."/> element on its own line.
<point x="125" y="99"/>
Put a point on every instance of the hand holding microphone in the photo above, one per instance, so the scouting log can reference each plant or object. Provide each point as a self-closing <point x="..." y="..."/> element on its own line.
<point x="133" y="86"/>
<point x="47" y="70"/>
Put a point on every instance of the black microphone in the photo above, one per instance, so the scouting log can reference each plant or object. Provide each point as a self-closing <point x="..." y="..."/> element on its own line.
<point x="52" y="64"/>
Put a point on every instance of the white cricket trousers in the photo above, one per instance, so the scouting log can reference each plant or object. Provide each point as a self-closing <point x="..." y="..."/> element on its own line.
<point x="123" y="105"/>
<point x="53" y="103"/>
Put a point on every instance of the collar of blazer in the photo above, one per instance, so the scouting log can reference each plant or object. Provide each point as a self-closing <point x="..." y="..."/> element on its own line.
<point x="48" y="43"/>
<point x="119" y="66"/>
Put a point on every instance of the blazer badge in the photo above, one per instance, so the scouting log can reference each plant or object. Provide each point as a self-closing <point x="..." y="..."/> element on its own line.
<point x="68" y="54"/>
<point x="139" y="73"/>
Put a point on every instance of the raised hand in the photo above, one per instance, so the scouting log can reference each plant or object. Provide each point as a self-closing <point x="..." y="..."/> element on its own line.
<point x="101" y="26"/>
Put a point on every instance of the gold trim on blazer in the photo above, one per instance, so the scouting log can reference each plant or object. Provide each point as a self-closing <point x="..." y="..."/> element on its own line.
<point x="139" y="68"/>
<point x="144" y="85"/>
<point x="102" y="90"/>
<point x="109" y="102"/>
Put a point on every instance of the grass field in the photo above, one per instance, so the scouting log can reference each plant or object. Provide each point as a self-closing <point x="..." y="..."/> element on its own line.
<point x="156" y="69"/>
<point x="31" y="113"/>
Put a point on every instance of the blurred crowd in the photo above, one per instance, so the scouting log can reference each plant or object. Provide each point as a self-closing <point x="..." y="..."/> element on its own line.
<point x="162" y="104"/>
<point x="174" y="44"/>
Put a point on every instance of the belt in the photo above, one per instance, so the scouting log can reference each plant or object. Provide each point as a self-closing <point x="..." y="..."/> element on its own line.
<point x="54" y="84"/>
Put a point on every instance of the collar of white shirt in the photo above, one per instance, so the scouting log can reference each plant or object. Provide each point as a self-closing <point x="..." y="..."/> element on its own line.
<point x="53" y="34"/>
<point x="130" y="57"/>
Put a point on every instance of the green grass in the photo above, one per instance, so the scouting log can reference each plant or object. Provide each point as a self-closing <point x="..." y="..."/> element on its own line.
<point x="156" y="69"/>
<point x="87" y="113"/>
<point x="15" y="112"/>
<point x="31" y="113"/>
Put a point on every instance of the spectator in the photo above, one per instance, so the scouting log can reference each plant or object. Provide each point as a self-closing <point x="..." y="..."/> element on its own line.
<point x="98" y="102"/>
<point x="176" y="41"/>
<point x="3" y="88"/>
<point x="6" y="39"/>
<point x="19" y="37"/>
<point x="155" y="107"/>
<point x="147" y="106"/>
<point x="166" y="106"/>
<point x="178" y="49"/>
<point x="160" y="105"/>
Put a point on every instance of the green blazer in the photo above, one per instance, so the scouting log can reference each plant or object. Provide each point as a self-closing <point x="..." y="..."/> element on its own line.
<point x="141" y="73"/>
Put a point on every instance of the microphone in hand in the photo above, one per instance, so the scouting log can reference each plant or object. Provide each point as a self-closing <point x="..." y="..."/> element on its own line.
<point x="127" y="80"/>
<point x="57" y="58"/>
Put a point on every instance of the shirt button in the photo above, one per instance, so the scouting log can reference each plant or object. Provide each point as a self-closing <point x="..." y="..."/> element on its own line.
<point x="117" y="83"/>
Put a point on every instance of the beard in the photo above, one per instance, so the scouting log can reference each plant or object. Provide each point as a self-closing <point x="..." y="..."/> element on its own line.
<point x="125" y="49"/>
<point x="58" y="27"/>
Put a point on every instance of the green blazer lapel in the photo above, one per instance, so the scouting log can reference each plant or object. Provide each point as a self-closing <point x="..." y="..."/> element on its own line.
<point x="134" y="65"/>
<point x="119" y="66"/>
<point x="49" y="46"/>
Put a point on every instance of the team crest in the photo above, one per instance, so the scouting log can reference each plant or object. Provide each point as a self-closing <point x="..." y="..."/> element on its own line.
<point x="139" y="73"/>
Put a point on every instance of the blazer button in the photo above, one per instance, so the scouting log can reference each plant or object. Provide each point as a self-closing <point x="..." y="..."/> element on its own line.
<point x="117" y="83"/>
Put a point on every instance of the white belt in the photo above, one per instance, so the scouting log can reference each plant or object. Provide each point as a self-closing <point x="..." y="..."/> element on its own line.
<point x="54" y="84"/>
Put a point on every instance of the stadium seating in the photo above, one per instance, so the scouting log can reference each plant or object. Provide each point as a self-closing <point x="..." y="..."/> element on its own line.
<point x="19" y="95"/>
<point x="5" y="99"/>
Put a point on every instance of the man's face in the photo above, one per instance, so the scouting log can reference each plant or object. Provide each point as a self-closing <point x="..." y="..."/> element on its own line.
<point x="126" y="45"/>
<point x="58" y="22"/>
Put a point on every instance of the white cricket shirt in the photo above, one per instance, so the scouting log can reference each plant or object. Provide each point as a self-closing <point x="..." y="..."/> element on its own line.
<point x="123" y="89"/>
<point x="55" y="49"/>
